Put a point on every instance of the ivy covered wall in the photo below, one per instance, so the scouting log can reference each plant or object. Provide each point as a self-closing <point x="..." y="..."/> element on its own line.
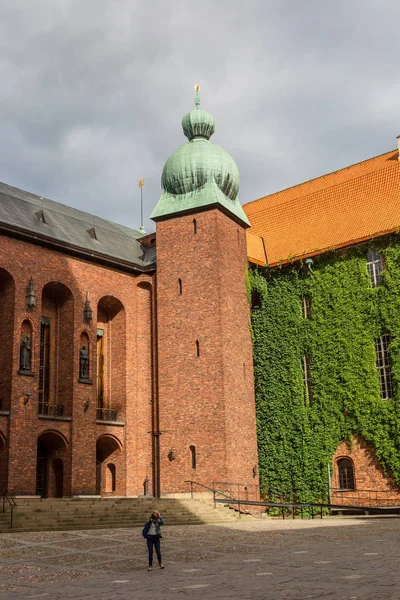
<point x="297" y="440"/>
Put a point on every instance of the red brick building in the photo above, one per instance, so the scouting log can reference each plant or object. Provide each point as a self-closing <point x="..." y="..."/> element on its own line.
<point x="125" y="361"/>
<point x="115" y="368"/>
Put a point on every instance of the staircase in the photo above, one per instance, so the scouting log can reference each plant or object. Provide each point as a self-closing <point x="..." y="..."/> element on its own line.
<point x="55" y="514"/>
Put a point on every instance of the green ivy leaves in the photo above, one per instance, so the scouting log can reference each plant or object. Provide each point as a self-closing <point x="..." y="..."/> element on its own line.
<point x="296" y="442"/>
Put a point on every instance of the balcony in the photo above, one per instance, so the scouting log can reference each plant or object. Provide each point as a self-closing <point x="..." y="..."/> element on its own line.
<point x="51" y="410"/>
<point x="106" y="414"/>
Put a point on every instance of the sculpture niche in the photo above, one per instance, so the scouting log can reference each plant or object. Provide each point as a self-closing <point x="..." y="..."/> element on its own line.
<point x="25" y="356"/>
<point x="84" y="365"/>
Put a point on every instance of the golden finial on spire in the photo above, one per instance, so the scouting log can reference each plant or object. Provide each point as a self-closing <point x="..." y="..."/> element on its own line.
<point x="197" y="97"/>
<point x="141" y="182"/>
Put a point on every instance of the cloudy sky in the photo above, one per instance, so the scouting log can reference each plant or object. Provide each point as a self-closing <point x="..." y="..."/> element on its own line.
<point x="93" y="91"/>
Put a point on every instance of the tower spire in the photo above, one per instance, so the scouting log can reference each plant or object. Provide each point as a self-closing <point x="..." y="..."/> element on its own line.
<point x="197" y="96"/>
<point x="141" y="184"/>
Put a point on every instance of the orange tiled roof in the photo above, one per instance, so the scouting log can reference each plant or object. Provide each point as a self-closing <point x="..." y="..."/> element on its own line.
<point x="335" y="210"/>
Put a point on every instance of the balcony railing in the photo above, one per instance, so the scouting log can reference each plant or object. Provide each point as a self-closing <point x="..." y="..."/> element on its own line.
<point x="53" y="410"/>
<point x="106" y="414"/>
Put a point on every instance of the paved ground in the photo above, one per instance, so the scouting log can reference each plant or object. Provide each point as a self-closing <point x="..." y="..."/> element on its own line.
<point x="334" y="558"/>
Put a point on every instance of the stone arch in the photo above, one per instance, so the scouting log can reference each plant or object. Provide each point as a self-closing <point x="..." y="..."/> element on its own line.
<point x="7" y="310"/>
<point x="56" y="361"/>
<point x="109" y="451"/>
<point x="52" y="450"/>
<point x="111" y="359"/>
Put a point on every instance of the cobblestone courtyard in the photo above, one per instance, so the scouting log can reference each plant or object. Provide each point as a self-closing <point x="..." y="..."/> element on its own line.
<point x="346" y="558"/>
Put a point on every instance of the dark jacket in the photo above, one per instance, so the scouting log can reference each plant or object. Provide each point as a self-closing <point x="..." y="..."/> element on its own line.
<point x="158" y="524"/>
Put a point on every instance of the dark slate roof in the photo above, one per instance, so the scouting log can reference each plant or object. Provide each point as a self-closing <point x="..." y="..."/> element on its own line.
<point x="23" y="213"/>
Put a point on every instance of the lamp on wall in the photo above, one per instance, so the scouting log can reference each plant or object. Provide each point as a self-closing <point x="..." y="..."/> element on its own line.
<point x="27" y="397"/>
<point x="30" y="295"/>
<point x="87" y="310"/>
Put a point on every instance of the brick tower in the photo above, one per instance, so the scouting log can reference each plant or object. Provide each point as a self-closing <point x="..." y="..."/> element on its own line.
<point x="207" y="426"/>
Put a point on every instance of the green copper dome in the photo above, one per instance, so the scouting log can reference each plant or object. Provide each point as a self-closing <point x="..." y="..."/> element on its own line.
<point x="199" y="162"/>
<point x="200" y="173"/>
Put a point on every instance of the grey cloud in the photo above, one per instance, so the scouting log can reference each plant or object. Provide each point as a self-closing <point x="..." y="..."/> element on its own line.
<point x="93" y="92"/>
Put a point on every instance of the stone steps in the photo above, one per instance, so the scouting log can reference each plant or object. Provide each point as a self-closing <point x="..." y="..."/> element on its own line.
<point x="81" y="513"/>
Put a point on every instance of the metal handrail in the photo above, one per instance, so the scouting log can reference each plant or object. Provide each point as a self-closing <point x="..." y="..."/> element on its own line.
<point x="214" y="492"/>
<point x="309" y="505"/>
<point x="9" y="498"/>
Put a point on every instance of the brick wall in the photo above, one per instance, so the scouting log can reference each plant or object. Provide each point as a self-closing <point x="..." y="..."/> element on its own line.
<point x="205" y="400"/>
<point x="372" y="487"/>
<point x="61" y="283"/>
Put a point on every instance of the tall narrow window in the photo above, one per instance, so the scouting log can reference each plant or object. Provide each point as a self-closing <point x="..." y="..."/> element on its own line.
<point x="100" y="369"/>
<point x="194" y="226"/>
<point x="307" y="379"/>
<point x="197" y="348"/>
<point x="193" y="456"/>
<point x="346" y="474"/>
<point x="44" y="366"/>
<point x="306" y="305"/>
<point x="384" y="366"/>
<point x="180" y="286"/>
<point x="375" y="266"/>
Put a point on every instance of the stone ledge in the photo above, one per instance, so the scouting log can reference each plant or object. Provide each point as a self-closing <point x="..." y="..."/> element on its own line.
<point x="116" y="423"/>
<point x="54" y="418"/>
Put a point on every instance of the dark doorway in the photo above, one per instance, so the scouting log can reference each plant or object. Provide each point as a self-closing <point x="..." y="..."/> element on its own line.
<point x="58" y="475"/>
<point x="51" y="452"/>
<point x="41" y="469"/>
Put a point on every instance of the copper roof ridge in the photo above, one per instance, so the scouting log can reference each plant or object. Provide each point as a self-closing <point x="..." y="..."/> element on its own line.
<point x="321" y="177"/>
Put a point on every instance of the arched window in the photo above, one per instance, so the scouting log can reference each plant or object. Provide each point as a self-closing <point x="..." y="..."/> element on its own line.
<point x="194" y="226"/>
<point x="180" y="286"/>
<point x="193" y="456"/>
<point x="346" y="474"/>
<point x="197" y="348"/>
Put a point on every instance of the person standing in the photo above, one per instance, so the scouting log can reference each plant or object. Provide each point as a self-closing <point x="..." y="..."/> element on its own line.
<point x="152" y="533"/>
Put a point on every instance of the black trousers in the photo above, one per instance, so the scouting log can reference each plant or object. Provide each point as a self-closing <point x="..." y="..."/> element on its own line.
<point x="154" y="540"/>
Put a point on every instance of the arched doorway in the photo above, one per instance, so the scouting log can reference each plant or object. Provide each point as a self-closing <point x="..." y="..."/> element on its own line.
<point x="51" y="453"/>
<point x="108" y="450"/>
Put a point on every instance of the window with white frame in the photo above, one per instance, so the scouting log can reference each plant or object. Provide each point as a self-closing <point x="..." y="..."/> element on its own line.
<point x="375" y="266"/>
<point x="383" y="365"/>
